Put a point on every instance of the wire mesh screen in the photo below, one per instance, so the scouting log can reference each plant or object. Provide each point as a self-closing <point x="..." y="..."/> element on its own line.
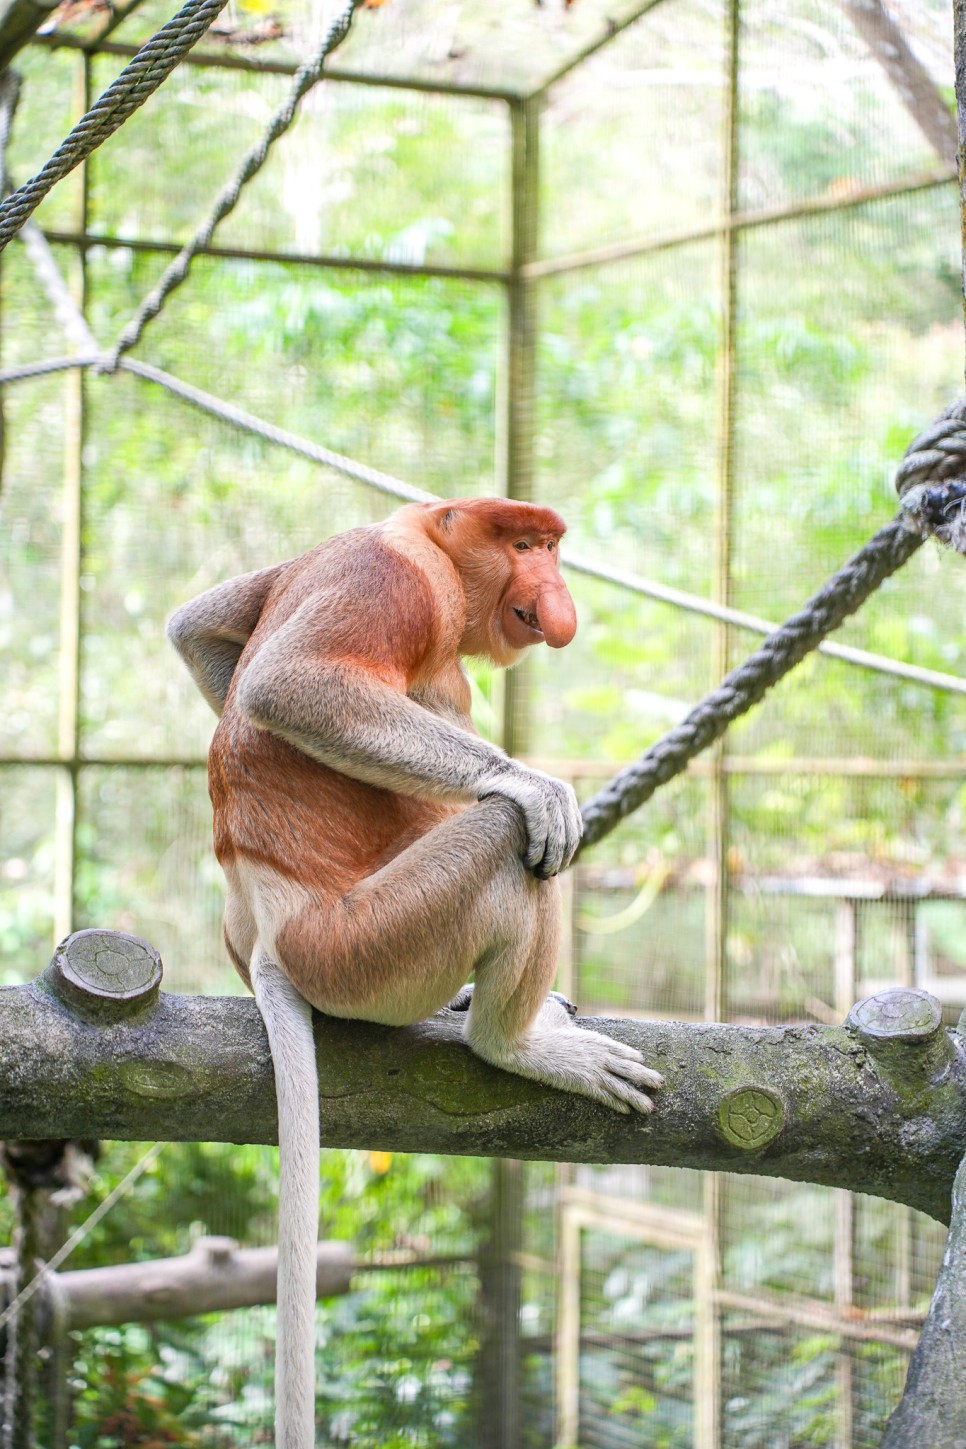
<point x="717" y="251"/>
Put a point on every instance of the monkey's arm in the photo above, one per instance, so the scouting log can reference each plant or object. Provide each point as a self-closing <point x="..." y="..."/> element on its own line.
<point x="211" y="631"/>
<point x="354" y="716"/>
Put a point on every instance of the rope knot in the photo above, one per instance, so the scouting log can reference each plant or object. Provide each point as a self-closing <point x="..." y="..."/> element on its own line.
<point x="931" y="480"/>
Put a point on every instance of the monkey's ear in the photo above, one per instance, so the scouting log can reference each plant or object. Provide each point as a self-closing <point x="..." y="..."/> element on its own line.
<point x="441" y="516"/>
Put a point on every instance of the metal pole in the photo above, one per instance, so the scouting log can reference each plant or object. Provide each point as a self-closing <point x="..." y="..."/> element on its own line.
<point x="708" y="1393"/>
<point x="70" y="575"/>
<point x="22" y="1333"/>
<point x="501" y="1420"/>
<point x="959" y="35"/>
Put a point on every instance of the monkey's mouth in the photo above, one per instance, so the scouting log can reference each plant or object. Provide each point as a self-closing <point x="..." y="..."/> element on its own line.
<point x="529" y="618"/>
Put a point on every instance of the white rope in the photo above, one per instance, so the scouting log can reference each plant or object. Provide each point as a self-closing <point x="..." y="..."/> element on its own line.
<point x="396" y="488"/>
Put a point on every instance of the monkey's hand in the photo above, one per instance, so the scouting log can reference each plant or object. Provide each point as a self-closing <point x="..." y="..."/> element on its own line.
<point x="551" y="813"/>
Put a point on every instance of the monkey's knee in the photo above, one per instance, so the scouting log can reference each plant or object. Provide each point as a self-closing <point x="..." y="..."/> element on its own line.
<point x="505" y="819"/>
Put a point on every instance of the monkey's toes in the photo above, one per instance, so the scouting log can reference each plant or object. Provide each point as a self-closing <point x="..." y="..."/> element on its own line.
<point x="625" y="1078"/>
<point x="568" y="1006"/>
<point x="624" y="1097"/>
<point x="629" y="1061"/>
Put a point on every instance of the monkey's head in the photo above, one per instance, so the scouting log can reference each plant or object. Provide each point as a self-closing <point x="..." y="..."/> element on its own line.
<point x="506" y="554"/>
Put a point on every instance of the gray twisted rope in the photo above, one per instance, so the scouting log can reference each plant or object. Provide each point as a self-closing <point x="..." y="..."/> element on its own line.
<point x="153" y="63"/>
<point x="930" y="483"/>
<point x="305" y="78"/>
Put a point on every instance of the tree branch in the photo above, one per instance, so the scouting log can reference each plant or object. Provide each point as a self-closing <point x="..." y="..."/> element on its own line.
<point x="931" y="1411"/>
<point x="93" y="1049"/>
<point x="915" y="86"/>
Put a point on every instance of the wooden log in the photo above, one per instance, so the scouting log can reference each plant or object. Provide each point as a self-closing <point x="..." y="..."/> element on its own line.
<point x="878" y="1105"/>
<point x="214" y="1276"/>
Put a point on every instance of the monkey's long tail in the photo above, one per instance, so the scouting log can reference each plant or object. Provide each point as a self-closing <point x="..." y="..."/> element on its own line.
<point x="288" y="1022"/>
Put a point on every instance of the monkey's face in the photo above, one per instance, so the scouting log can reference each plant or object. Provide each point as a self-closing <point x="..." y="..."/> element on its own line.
<point x="535" y="607"/>
<point x="506" y="555"/>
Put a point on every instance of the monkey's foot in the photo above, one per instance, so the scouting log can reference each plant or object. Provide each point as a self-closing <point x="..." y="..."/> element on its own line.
<point x="561" y="1055"/>
<point x="461" y="1001"/>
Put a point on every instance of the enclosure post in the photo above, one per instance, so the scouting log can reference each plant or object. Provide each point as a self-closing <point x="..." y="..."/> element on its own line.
<point x="959" y="32"/>
<point x="34" y="1170"/>
<point x="522" y="299"/>
<point x="844" y="968"/>
<point x="519" y="401"/>
<point x="708" y="1393"/>
<point x="70" y="576"/>
<point x="718" y="821"/>
<point x="500" y="1417"/>
<point x="68" y="721"/>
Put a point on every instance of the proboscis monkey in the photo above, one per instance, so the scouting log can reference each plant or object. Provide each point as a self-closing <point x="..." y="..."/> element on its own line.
<point x="377" y="851"/>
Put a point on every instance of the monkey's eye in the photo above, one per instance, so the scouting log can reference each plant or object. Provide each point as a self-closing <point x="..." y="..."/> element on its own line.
<point x="521" y="545"/>
<point x="551" y="545"/>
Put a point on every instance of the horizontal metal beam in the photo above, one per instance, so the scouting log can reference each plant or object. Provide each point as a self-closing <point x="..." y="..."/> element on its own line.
<point x="858" y="766"/>
<point x="767" y="766"/>
<point x="740" y="221"/>
<point x="87" y="239"/>
<point x="258" y="65"/>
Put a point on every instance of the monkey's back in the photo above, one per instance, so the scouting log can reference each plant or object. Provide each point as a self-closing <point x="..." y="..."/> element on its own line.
<point x="275" y="805"/>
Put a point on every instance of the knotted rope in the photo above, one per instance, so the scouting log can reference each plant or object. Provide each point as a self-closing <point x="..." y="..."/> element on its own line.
<point x="932" y="485"/>
<point x="930" y="478"/>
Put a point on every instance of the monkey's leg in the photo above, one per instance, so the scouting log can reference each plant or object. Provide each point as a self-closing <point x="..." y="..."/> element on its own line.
<point x="459" y="900"/>
<point x="401" y="943"/>
<point x="513" y="1024"/>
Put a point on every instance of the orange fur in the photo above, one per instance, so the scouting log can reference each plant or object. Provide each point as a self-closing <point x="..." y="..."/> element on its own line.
<point x="272" y="802"/>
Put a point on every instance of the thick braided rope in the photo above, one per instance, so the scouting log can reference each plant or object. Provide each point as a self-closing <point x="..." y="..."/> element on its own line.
<point x="930" y="481"/>
<point x="153" y="63"/>
<point x="305" y="78"/>
<point x="746" y="685"/>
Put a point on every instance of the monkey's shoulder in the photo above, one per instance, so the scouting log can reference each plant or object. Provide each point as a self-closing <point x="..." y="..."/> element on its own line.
<point x="406" y="539"/>
<point x="374" y="562"/>
<point x="372" y="592"/>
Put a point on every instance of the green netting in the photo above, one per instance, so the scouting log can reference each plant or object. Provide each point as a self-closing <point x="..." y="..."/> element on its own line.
<point x="837" y="808"/>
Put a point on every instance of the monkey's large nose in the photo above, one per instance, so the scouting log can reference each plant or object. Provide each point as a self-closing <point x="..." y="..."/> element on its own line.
<point x="556" y="614"/>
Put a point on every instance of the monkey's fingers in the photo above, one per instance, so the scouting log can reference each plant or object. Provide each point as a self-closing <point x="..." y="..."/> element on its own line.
<point x="529" y="790"/>
<point x="565" y="827"/>
<point x="461" y="1001"/>
<point x="575" y="826"/>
